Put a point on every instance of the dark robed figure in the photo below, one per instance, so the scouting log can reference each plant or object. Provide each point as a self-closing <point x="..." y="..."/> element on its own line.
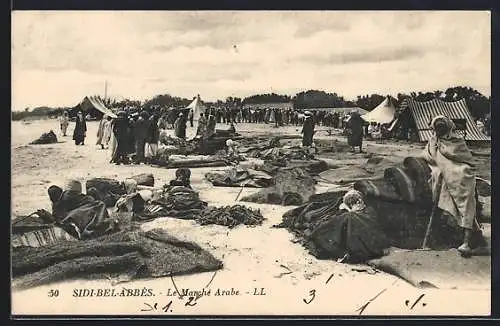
<point x="354" y="129"/>
<point x="308" y="130"/>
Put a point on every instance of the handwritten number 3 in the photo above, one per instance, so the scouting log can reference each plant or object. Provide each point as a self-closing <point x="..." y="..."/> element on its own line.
<point x="312" y="293"/>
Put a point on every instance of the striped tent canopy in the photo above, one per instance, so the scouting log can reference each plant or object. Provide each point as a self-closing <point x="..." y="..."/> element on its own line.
<point x="424" y="112"/>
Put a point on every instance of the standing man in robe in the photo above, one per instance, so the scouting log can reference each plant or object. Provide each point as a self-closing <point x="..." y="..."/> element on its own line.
<point x="191" y="117"/>
<point x="120" y="131"/>
<point x="100" y="131"/>
<point x="307" y="130"/>
<point x="354" y="127"/>
<point x="64" y="122"/>
<point x="80" y="129"/>
<point x="141" y="127"/>
<point x="202" y="124"/>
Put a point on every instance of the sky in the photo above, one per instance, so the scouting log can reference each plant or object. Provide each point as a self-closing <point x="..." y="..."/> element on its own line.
<point x="59" y="57"/>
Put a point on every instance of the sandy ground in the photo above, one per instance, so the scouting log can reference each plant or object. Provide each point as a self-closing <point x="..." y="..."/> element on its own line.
<point x="253" y="256"/>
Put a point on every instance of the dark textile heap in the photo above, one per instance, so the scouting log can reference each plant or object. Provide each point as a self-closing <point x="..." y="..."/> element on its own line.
<point x="172" y="141"/>
<point x="230" y="216"/>
<point x="124" y="255"/>
<point x="253" y="146"/>
<point x="331" y="146"/>
<point x="313" y="167"/>
<point x="408" y="183"/>
<point x="180" y="202"/>
<point x="328" y="232"/>
<point x="291" y="187"/>
<point x="144" y="179"/>
<point x="240" y="178"/>
<point x="46" y="138"/>
<point x="214" y="143"/>
<point x="108" y="190"/>
<point x="292" y="153"/>
<point x="402" y="203"/>
<point x="82" y="215"/>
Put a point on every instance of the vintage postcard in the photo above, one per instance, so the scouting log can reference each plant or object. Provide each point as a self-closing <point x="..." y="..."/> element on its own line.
<point x="251" y="163"/>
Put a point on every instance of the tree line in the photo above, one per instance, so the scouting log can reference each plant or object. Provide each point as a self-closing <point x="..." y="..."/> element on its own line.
<point x="477" y="102"/>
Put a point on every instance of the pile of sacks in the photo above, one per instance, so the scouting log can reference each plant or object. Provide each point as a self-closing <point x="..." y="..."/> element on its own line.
<point x="180" y="202"/>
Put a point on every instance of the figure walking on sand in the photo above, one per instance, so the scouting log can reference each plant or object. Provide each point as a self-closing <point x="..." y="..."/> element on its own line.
<point x="120" y="130"/>
<point x="153" y="136"/>
<point x="141" y="128"/>
<point x="191" y="118"/>
<point x="354" y="128"/>
<point x="64" y="122"/>
<point x="307" y="130"/>
<point x="180" y="126"/>
<point x="80" y="129"/>
<point x="210" y="130"/>
<point x="202" y="124"/>
<point x="101" y="131"/>
<point x="106" y="136"/>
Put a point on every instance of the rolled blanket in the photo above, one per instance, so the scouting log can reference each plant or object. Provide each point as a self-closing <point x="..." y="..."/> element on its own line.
<point x="402" y="183"/>
<point x="419" y="171"/>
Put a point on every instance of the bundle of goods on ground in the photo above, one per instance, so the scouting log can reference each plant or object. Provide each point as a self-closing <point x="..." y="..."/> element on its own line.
<point x="123" y="255"/>
<point x="402" y="203"/>
<point x="46" y="138"/>
<point x="394" y="212"/>
<point x="292" y="186"/>
<point x="173" y="161"/>
<point x="110" y="190"/>
<point x="331" y="146"/>
<point x="239" y="177"/>
<point x="184" y="203"/>
<point x="198" y="145"/>
<point x="373" y="168"/>
<point x="230" y="216"/>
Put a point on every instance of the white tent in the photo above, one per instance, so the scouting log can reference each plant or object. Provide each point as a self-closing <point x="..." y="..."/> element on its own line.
<point x="92" y="105"/>
<point x="197" y="107"/>
<point x="383" y="113"/>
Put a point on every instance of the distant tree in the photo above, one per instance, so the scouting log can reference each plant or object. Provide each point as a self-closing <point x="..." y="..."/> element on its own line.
<point x="266" y="98"/>
<point x="166" y="100"/>
<point x="318" y="99"/>
<point x="369" y="102"/>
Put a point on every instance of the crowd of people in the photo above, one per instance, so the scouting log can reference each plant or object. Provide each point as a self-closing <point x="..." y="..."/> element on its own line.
<point x="279" y="117"/>
<point x="137" y="131"/>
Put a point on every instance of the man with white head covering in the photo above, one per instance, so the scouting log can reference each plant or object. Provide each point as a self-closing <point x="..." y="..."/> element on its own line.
<point x="100" y="131"/>
<point x="451" y="161"/>
<point x="307" y="129"/>
<point x="64" y="122"/>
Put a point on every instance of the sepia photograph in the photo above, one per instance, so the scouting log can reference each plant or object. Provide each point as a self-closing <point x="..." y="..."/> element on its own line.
<point x="250" y="163"/>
